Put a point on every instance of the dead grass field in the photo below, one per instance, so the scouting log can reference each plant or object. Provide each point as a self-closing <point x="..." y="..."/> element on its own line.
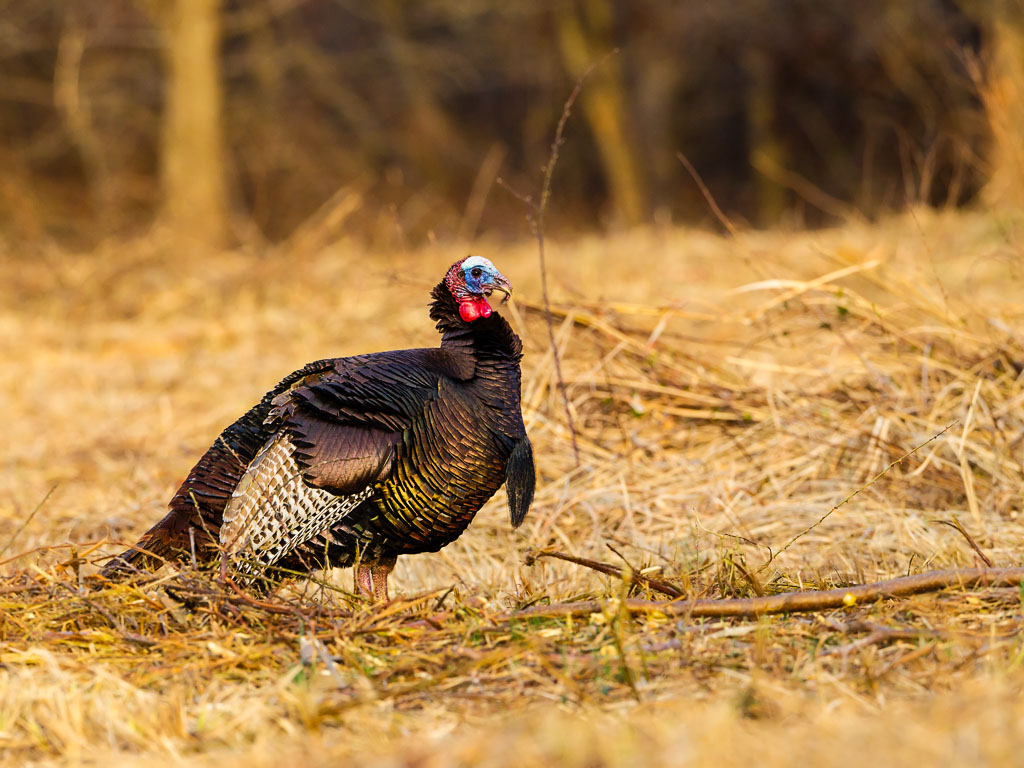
<point x="727" y="394"/>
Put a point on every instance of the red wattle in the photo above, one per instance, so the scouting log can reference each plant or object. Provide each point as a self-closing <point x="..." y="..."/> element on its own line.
<point x="474" y="309"/>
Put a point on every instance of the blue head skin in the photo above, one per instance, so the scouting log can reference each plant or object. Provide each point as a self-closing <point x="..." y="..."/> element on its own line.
<point x="482" y="277"/>
<point x="471" y="281"/>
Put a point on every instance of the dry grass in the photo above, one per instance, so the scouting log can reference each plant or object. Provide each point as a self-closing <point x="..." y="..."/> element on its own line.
<point x="728" y="395"/>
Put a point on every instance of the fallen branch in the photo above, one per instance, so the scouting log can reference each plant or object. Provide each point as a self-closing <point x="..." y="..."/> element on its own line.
<point x="877" y="634"/>
<point x="795" y="602"/>
<point x="634" y="578"/>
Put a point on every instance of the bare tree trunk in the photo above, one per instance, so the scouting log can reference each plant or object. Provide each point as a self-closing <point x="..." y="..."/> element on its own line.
<point x="582" y="32"/>
<point x="192" y="155"/>
<point x="429" y="137"/>
<point x="1003" y="93"/>
<point x="74" y="107"/>
<point x="767" y="155"/>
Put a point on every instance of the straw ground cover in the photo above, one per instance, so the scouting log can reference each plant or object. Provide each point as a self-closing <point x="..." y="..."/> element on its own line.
<point x="727" y="394"/>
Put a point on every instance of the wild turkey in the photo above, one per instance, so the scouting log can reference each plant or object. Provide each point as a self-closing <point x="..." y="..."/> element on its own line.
<point x="357" y="460"/>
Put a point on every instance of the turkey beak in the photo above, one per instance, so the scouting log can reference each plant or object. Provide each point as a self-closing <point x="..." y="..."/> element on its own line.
<point x="499" y="283"/>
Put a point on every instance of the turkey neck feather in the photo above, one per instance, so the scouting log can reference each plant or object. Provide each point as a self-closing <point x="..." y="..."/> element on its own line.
<point x="490" y="340"/>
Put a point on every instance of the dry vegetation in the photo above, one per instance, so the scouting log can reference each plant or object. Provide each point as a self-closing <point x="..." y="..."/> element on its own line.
<point x="728" y="393"/>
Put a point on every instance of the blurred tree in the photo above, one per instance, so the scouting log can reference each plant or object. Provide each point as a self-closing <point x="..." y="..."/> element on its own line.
<point x="766" y="150"/>
<point x="192" y="153"/>
<point x="584" y="33"/>
<point x="75" y="109"/>
<point x="1003" y="93"/>
<point x="428" y="135"/>
<point x="116" y="114"/>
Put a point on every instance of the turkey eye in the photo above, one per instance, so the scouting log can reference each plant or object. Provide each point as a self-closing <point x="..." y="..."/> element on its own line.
<point x="476" y="272"/>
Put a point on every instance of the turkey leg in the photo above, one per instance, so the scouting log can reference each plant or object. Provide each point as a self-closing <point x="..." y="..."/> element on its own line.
<point x="372" y="580"/>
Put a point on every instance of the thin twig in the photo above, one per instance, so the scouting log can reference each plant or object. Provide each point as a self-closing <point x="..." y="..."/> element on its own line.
<point x="958" y="526"/>
<point x="263" y="605"/>
<point x="849" y="498"/>
<point x="745" y="572"/>
<point x="539" y="211"/>
<point x="878" y="634"/>
<point x="610" y="570"/>
<point x="736" y="536"/>
<point x="719" y="214"/>
<point x="795" y="602"/>
<point x="538" y="230"/>
<point x="27" y="520"/>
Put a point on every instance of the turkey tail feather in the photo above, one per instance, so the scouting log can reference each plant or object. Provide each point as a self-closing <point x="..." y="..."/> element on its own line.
<point x="520" y="478"/>
<point x="197" y="509"/>
<point x="157" y="546"/>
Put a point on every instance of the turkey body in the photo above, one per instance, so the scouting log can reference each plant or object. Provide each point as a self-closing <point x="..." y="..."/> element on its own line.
<point x="357" y="460"/>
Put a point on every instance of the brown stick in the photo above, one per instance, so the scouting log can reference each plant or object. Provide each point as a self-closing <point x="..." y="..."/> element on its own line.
<point x="719" y="214"/>
<point x="28" y="520"/>
<point x="284" y="609"/>
<point x="958" y="526"/>
<point x="878" y="634"/>
<point x="635" y="578"/>
<point x="796" y="602"/>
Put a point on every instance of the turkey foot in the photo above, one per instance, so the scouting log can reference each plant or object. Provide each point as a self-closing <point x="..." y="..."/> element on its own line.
<point x="372" y="580"/>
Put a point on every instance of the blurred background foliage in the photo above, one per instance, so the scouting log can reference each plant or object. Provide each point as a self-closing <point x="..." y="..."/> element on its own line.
<point x="235" y="120"/>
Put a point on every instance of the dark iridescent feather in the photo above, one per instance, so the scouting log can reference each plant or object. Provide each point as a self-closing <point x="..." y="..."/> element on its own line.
<point x="418" y="439"/>
<point x="519" y="481"/>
